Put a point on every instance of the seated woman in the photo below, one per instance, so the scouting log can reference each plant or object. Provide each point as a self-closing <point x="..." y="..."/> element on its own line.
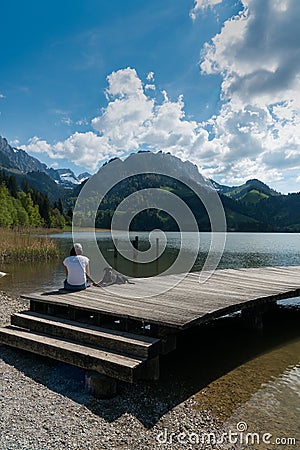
<point x="77" y="269"/>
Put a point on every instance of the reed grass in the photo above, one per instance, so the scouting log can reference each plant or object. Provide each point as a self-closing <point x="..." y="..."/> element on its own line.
<point x="26" y="246"/>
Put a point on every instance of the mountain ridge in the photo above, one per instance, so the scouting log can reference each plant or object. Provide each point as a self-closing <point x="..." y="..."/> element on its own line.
<point x="252" y="206"/>
<point x="18" y="159"/>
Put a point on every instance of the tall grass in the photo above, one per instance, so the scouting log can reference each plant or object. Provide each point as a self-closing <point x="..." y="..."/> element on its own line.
<point x="26" y="246"/>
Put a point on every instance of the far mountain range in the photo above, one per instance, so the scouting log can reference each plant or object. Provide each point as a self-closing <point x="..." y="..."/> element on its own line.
<point x="253" y="206"/>
<point x="18" y="160"/>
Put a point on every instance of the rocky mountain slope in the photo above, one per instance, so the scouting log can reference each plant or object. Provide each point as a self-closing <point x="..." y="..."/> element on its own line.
<point x="18" y="159"/>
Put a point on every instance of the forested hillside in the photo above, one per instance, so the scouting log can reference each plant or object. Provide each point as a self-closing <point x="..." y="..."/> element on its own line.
<point x="34" y="195"/>
<point x="257" y="208"/>
<point x="27" y="207"/>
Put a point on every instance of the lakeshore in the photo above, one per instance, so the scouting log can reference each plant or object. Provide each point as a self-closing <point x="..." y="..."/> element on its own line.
<point x="27" y="246"/>
<point x="44" y="406"/>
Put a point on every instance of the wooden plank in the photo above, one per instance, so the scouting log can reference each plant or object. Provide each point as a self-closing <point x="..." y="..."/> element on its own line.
<point x="133" y="312"/>
<point x="119" y="341"/>
<point x="88" y="300"/>
<point x="254" y="277"/>
<point x="107" y="363"/>
<point x="225" y="291"/>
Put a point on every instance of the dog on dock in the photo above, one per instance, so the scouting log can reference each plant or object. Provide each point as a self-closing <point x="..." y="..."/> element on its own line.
<point x="112" y="277"/>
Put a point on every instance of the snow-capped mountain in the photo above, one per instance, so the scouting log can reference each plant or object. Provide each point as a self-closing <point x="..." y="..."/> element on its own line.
<point x="69" y="179"/>
<point x="15" y="158"/>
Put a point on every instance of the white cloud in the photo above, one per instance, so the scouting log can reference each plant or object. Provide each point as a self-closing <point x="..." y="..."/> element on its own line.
<point x="150" y="86"/>
<point x="255" y="133"/>
<point x="128" y="112"/>
<point x="150" y="76"/>
<point x="257" y="52"/>
<point x="37" y="145"/>
<point x="200" y="5"/>
<point x="15" y="143"/>
<point x="67" y="121"/>
<point x="2" y="95"/>
<point x="84" y="149"/>
<point x="258" y="55"/>
<point x="132" y="120"/>
<point x="81" y="122"/>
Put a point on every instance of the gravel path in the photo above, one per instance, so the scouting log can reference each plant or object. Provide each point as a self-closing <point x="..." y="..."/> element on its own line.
<point x="44" y="406"/>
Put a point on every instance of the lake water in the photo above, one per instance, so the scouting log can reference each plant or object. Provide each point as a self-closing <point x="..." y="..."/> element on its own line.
<point x="241" y="250"/>
<point x="254" y="379"/>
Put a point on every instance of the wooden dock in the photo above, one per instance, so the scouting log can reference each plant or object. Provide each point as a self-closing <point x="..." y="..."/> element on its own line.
<point x="122" y="333"/>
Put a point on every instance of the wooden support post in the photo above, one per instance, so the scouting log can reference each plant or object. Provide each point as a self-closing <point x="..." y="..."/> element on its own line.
<point x="157" y="254"/>
<point x="100" y="386"/>
<point x="168" y="344"/>
<point x="115" y="255"/>
<point x="72" y="313"/>
<point x="128" y="324"/>
<point x="38" y="307"/>
<point x="167" y="337"/>
<point x="151" y="369"/>
<point x="270" y="313"/>
<point x="32" y="305"/>
<point x="135" y="244"/>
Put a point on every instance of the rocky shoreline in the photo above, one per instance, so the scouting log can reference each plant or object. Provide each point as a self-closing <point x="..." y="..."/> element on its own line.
<point x="44" y="406"/>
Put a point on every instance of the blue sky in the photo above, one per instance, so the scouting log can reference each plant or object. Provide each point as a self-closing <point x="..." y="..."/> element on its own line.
<point x="213" y="81"/>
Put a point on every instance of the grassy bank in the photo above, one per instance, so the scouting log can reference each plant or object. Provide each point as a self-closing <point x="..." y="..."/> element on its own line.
<point x="26" y="246"/>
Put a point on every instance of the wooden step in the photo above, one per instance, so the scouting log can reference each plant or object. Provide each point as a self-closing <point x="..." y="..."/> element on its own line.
<point x="114" y="365"/>
<point x="120" y="341"/>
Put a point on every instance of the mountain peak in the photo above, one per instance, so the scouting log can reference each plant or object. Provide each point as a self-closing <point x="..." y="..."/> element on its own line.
<point x="261" y="186"/>
<point x="15" y="158"/>
<point x="19" y="159"/>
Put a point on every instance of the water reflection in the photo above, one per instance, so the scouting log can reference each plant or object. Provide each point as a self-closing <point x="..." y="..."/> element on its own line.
<point x="255" y="379"/>
<point x="241" y="250"/>
<point x="275" y="407"/>
<point x="231" y="395"/>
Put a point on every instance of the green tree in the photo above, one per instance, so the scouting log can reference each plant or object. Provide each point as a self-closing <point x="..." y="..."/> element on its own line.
<point x="57" y="219"/>
<point x="35" y="219"/>
<point x="21" y="215"/>
<point x="6" y="208"/>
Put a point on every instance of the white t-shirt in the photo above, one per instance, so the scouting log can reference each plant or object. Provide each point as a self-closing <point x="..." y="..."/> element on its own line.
<point x="76" y="266"/>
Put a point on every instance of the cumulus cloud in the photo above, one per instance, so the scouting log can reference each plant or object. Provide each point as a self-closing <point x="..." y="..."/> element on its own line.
<point x="37" y="145"/>
<point x="2" y="95"/>
<point x="200" y="5"/>
<point x="84" y="149"/>
<point x="150" y="76"/>
<point x="128" y="112"/>
<point x="132" y="120"/>
<point x="255" y="133"/>
<point x="257" y="53"/>
<point x="150" y="86"/>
